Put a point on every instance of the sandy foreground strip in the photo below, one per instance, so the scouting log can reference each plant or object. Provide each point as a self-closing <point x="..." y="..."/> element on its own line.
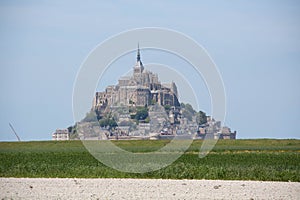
<point x="74" y="188"/>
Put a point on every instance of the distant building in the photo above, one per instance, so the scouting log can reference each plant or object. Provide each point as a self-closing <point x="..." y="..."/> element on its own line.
<point x="226" y="133"/>
<point x="61" y="134"/>
<point x="143" y="88"/>
<point x="213" y="130"/>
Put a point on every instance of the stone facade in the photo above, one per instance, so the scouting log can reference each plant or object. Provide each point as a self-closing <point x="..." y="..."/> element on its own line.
<point x="143" y="88"/>
<point x="213" y="130"/>
<point x="61" y="134"/>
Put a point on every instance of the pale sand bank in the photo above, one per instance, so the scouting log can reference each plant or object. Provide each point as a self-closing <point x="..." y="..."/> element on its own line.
<point x="73" y="188"/>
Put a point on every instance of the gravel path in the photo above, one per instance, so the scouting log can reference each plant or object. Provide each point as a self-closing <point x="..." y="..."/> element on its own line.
<point x="73" y="188"/>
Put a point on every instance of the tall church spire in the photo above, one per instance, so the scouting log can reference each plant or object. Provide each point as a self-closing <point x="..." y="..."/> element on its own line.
<point x="138" y="68"/>
<point x="138" y="57"/>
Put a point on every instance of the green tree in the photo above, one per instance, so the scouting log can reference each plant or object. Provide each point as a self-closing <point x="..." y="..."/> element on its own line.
<point x="167" y="109"/>
<point x="201" y="117"/>
<point x="147" y="120"/>
<point x="182" y="105"/>
<point x="112" y="123"/>
<point x="108" y="122"/>
<point x="190" y="108"/>
<point x="141" y="114"/>
<point x="187" y="111"/>
<point x="73" y="132"/>
<point x="70" y="129"/>
<point x="103" y="122"/>
<point x="90" y="117"/>
<point x="153" y="102"/>
<point x="187" y="114"/>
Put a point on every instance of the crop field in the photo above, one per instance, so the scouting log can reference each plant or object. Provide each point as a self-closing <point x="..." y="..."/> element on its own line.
<point x="259" y="159"/>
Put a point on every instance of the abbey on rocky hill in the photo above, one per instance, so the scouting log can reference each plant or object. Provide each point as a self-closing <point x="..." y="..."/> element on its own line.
<point x="141" y="107"/>
<point x="143" y="88"/>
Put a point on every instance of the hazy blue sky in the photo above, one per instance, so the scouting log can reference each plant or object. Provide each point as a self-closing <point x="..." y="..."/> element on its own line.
<point x="255" y="44"/>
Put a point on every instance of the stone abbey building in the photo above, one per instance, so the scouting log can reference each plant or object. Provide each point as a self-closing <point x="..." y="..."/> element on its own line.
<point x="141" y="89"/>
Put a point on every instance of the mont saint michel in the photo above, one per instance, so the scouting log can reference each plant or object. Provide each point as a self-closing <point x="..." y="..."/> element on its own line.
<point x="139" y="106"/>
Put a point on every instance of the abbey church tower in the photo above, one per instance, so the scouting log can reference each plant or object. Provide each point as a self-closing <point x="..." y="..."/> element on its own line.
<point x="138" y="68"/>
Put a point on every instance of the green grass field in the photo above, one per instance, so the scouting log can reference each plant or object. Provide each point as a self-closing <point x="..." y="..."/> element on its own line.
<point x="262" y="159"/>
